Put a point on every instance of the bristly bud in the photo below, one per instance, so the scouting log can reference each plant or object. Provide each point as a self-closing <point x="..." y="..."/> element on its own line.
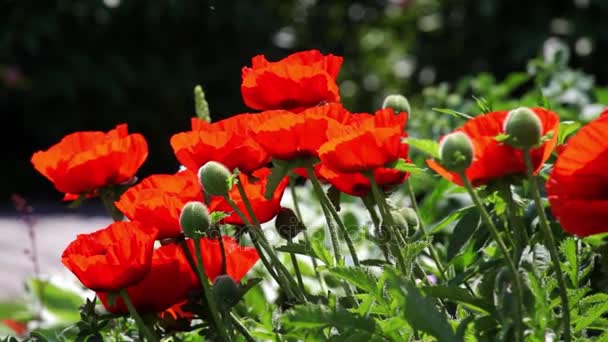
<point x="194" y="219"/>
<point x="226" y="291"/>
<point x="399" y="221"/>
<point x="287" y="224"/>
<point x="523" y="128"/>
<point x="398" y="103"/>
<point x="215" y="178"/>
<point x="410" y="217"/>
<point x="456" y="152"/>
<point x="200" y="104"/>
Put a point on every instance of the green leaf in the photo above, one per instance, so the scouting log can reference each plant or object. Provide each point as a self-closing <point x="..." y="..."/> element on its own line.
<point x="356" y="276"/>
<point x="568" y="249"/>
<point x="201" y="107"/>
<point x="462" y="233"/>
<point x="317" y="243"/>
<point x="299" y="247"/>
<point x="404" y="166"/>
<point x="278" y="172"/>
<point x="61" y="303"/>
<point x="591" y="314"/>
<point x="422" y="315"/>
<point x="566" y="129"/>
<point x="459" y="295"/>
<point x="453" y="216"/>
<point x="429" y="147"/>
<point x="217" y="216"/>
<point x="453" y="113"/>
<point x="483" y="104"/>
<point x="315" y="317"/>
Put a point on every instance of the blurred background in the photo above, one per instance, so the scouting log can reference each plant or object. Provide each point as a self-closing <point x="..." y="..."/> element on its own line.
<point x="69" y="65"/>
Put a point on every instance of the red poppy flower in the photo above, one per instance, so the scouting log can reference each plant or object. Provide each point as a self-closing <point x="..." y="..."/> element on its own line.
<point x="255" y="186"/>
<point x="578" y="184"/>
<point x="493" y="159"/>
<point x="367" y="144"/>
<point x="18" y="328"/>
<point x="286" y="135"/>
<point x="303" y="79"/>
<point x="227" y="141"/>
<point x="357" y="184"/>
<point x="112" y="258"/>
<point x="85" y="161"/>
<point x="168" y="282"/>
<point x="158" y="201"/>
<point x="239" y="260"/>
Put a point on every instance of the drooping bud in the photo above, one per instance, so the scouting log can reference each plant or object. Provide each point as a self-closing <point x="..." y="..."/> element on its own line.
<point x="523" y="128"/>
<point x="399" y="221"/>
<point x="215" y="178"/>
<point x="410" y="217"/>
<point x="287" y="224"/>
<point x="226" y="290"/>
<point x="398" y="103"/>
<point x="456" y="152"/>
<point x="194" y="219"/>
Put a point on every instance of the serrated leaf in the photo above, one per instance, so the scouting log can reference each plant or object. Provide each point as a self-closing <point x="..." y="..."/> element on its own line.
<point x="299" y="247"/>
<point x="422" y="315"/>
<point x="591" y="314"/>
<point x="317" y="243"/>
<point x="356" y="276"/>
<point x="217" y="216"/>
<point x="453" y="113"/>
<point x="568" y="250"/>
<point x="312" y="316"/>
<point x="403" y="166"/>
<point x="459" y="295"/>
<point x="483" y="104"/>
<point x="428" y="147"/>
<point x="277" y="173"/>
<point x="462" y="233"/>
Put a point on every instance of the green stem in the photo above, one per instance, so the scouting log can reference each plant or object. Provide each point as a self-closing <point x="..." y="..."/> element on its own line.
<point x="520" y="236"/>
<point x="376" y="221"/>
<point x="208" y="294"/>
<point x="387" y="221"/>
<point x="286" y="282"/>
<point x="432" y="250"/>
<point x="296" y="268"/>
<point x="485" y="217"/>
<point x="108" y="202"/>
<point x="333" y="233"/>
<point x="140" y="322"/>
<point x="334" y="214"/>
<point x="550" y="241"/>
<point x="241" y="328"/>
<point x="294" y="198"/>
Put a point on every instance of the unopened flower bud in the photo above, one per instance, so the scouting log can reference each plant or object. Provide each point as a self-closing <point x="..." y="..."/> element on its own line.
<point x="215" y="178"/>
<point x="456" y="152"/>
<point x="398" y="103"/>
<point x="523" y="128"/>
<point x="194" y="219"/>
<point x="287" y="224"/>
<point x="410" y="217"/>
<point x="399" y="221"/>
<point x="226" y="290"/>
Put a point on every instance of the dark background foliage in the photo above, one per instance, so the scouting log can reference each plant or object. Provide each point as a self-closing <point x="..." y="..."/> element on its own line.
<point x="69" y="65"/>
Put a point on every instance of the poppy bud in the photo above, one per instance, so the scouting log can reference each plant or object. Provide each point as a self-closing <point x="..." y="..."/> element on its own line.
<point x="410" y="217"/>
<point x="397" y="102"/>
<point x="226" y="290"/>
<point x="287" y="224"/>
<point x="215" y="178"/>
<point x="523" y="127"/>
<point x="456" y="152"/>
<point x="194" y="219"/>
<point x="399" y="221"/>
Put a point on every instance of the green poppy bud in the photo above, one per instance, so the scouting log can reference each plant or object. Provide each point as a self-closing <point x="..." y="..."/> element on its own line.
<point x="399" y="221"/>
<point x="456" y="152"/>
<point x="215" y="178"/>
<point x="226" y="290"/>
<point x="194" y="219"/>
<point x="523" y="128"/>
<point x="287" y="224"/>
<point x="398" y="103"/>
<point x="410" y="217"/>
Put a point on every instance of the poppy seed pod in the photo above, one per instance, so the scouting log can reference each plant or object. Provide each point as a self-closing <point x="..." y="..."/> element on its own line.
<point x="523" y="127"/>
<point x="398" y="103"/>
<point x="287" y="224"/>
<point x="226" y="290"/>
<point x="194" y="219"/>
<point x="215" y="178"/>
<point x="456" y="152"/>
